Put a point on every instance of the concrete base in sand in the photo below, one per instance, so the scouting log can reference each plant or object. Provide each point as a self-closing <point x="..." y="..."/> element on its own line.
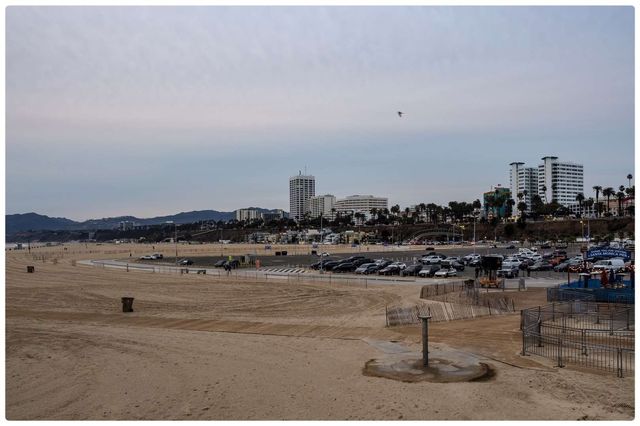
<point x="444" y="367"/>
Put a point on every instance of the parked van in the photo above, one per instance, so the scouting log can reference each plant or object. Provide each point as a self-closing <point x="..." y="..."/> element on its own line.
<point x="608" y="265"/>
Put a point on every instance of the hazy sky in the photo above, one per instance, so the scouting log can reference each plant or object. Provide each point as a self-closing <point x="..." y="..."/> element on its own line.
<point x="156" y="110"/>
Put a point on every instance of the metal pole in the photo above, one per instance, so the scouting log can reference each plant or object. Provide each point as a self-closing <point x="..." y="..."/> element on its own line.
<point x="425" y="339"/>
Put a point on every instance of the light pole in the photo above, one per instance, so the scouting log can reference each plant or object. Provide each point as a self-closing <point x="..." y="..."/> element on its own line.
<point x="321" y="248"/>
<point x="475" y="216"/>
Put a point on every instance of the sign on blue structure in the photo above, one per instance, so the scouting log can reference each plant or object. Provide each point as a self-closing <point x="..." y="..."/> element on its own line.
<point x="609" y="252"/>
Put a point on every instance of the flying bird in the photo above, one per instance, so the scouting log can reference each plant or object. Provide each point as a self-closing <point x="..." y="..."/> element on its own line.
<point x="400" y="114"/>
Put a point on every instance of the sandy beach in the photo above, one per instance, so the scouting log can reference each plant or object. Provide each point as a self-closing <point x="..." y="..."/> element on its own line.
<point x="210" y="348"/>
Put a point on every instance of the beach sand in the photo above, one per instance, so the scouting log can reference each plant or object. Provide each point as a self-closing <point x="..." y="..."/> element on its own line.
<point x="202" y="347"/>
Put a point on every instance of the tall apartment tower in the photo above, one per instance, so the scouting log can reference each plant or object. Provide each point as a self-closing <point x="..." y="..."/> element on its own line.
<point x="562" y="181"/>
<point x="301" y="189"/>
<point x="523" y="180"/>
<point x="322" y="204"/>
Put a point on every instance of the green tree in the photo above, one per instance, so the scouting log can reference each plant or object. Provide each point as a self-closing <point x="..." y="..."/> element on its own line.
<point x="580" y="200"/>
<point x="608" y="192"/>
<point x="620" y="195"/>
<point x="597" y="188"/>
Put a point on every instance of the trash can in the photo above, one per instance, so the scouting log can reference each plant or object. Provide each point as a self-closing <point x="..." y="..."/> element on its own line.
<point x="314" y="252"/>
<point x="278" y="253"/>
<point x="284" y="253"/>
<point x="31" y="269"/>
<point x="127" y="304"/>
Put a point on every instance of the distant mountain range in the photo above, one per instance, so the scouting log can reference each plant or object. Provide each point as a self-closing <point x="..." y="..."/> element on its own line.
<point x="37" y="222"/>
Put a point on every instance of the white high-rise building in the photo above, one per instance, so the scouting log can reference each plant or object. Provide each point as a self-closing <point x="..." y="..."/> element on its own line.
<point x="361" y="203"/>
<point x="322" y="204"/>
<point x="301" y="189"/>
<point x="247" y="214"/>
<point x="562" y="181"/>
<point x="523" y="180"/>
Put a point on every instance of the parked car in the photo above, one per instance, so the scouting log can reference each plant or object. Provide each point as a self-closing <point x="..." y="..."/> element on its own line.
<point x="390" y="270"/>
<point x="400" y="265"/>
<point x="433" y="259"/>
<point x="345" y="267"/>
<point x="382" y="263"/>
<point x="372" y="269"/>
<point x="219" y="263"/>
<point x="451" y="263"/>
<point x="363" y="268"/>
<point x="509" y="272"/>
<point x="541" y="265"/>
<point x="146" y="257"/>
<point x="362" y="261"/>
<point x="328" y="266"/>
<point x="429" y="249"/>
<point x="510" y="247"/>
<point x="156" y="256"/>
<point x="412" y="270"/>
<point x="185" y="262"/>
<point x="446" y="272"/>
<point x="470" y="257"/>
<point x="428" y="270"/>
<point x="615" y="265"/>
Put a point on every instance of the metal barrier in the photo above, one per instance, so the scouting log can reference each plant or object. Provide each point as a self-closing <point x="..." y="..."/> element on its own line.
<point x="593" y="335"/>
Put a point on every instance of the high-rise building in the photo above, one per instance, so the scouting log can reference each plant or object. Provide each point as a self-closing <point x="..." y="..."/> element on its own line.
<point x="523" y="180"/>
<point x="301" y="189"/>
<point x="322" y="204"/>
<point x="361" y="203"/>
<point x="247" y="214"/>
<point x="563" y="181"/>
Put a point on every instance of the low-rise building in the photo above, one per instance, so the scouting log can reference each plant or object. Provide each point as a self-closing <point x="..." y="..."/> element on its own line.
<point x="361" y="203"/>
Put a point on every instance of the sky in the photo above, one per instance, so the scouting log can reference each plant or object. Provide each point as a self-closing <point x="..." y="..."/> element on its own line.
<point x="148" y="111"/>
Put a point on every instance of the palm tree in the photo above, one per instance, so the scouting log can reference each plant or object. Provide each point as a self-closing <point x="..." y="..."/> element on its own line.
<point x="510" y="204"/>
<point x="597" y="188"/>
<point x="522" y="206"/>
<point x="580" y="199"/>
<point x="520" y="195"/>
<point x="588" y="203"/>
<point x="608" y="192"/>
<point x="620" y="195"/>
<point x="629" y="177"/>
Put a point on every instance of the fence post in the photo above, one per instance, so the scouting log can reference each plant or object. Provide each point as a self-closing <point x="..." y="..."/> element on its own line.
<point x="553" y="311"/>
<point x="610" y="322"/>
<point x="628" y="312"/>
<point x="539" y="333"/>
<point x="386" y="315"/>
<point x="584" y="345"/>
<point x="619" y="362"/>
<point x="560" y="364"/>
<point x="524" y="333"/>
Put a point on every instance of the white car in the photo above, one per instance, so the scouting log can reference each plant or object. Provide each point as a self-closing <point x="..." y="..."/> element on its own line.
<point x="471" y="257"/>
<point x="430" y="260"/>
<point x="146" y="257"/>
<point x="324" y="254"/>
<point x="400" y="265"/>
<point x="444" y="273"/>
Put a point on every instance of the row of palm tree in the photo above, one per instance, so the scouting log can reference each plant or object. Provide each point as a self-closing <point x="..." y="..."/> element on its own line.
<point x="621" y="194"/>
